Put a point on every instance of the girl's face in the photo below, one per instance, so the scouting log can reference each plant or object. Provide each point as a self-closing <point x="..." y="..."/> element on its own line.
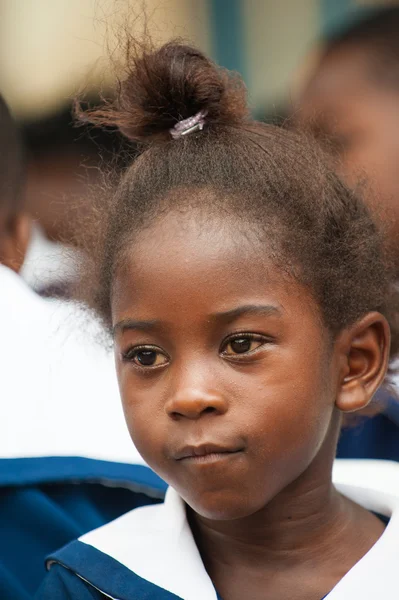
<point x="227" y="376"/>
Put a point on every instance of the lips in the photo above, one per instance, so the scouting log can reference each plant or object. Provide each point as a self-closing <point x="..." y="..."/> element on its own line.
<point x="205" y="450"/>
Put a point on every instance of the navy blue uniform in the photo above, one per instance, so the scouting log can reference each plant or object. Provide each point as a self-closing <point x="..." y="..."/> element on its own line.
<point x="47" y="502"/>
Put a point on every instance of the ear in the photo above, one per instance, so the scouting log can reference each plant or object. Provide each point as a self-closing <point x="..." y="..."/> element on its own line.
<point x="363" y="355"/>
<point x="14" y="240"/>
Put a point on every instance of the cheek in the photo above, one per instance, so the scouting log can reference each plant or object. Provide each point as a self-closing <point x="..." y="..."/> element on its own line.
<point x="290" y="430"/>
<point x="297" y="405"/>
<point x="144" y="418"/>
<point x="292" y="417"/>
<point x="146" y="428"/>
<point x="288" y="412"/>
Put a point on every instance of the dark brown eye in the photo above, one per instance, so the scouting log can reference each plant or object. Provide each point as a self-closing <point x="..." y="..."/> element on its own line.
<point x="242" y="345"/>
<point x="145" y="357"/>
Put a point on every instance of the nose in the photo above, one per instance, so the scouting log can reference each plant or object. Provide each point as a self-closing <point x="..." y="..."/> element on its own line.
<point x="191" y="401"/>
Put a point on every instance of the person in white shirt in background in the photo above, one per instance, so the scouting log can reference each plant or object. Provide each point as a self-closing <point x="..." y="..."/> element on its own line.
<point x="57" y="427"/>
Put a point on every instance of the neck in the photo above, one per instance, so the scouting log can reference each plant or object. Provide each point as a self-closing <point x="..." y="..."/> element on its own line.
<point x="295" y="523"/>
<point x="297" y="546"/>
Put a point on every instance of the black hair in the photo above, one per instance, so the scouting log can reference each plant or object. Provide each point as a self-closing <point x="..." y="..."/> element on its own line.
<point x="273" y="182"/>
<point x="11" y="162"/>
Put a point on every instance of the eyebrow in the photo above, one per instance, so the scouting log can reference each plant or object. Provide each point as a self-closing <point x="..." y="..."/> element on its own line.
<point x="133" y="324"/>
<point x="248" y="309"/>
<point x="227" y="316"/>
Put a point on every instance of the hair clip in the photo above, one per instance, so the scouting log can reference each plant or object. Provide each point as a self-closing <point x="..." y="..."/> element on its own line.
<point x="195" y="123"/>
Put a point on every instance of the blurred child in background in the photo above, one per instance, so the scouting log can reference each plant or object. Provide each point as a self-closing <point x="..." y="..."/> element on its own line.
<point x="61" y="423"/>
<point x="62" y="166"/>
<point x="351" y="99"/>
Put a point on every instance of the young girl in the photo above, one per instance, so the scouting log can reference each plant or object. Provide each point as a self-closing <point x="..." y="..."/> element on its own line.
<point x="250" y="306"/>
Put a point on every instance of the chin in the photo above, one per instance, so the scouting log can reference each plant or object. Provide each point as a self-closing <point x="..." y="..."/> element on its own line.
<point x="221" y="505"/>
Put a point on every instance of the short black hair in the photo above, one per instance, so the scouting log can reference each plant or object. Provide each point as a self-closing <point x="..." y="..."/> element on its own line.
<point x="378" y="34"/>
<point x="11" y="161"/>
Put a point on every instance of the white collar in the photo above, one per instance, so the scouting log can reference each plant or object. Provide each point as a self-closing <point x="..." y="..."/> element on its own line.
<point x="375" y="485"/>
<point x="156" y="542"/>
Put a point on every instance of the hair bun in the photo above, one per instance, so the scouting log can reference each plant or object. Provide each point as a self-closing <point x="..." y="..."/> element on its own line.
<point x="169" y="84"/>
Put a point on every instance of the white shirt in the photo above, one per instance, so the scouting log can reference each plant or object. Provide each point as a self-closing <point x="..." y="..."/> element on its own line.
<point x="48" y="263"/>
<point x="58" y="388"/>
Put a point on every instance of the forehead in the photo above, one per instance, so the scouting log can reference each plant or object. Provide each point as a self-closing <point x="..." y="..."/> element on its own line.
<point x="187" y="262"/>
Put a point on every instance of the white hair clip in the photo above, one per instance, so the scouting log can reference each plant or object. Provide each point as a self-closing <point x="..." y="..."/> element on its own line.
<point x="195" y="123"/>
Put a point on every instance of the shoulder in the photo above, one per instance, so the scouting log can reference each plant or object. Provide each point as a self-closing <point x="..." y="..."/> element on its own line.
<point x="377" y="476"/>
<point x="62" y="584"/>
<point x="47" y="502"/>
<point x="80" y="570"/>
<point x="373" y="484"/>
<point x="141" y="555"/>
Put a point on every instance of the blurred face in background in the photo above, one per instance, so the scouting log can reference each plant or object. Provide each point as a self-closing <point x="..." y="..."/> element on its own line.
<point x="58" y="193"/>
<point x="359" y="113"/>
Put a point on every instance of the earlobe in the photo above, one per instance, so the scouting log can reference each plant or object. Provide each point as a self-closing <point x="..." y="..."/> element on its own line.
<point x="353" y="397"/>
<point x="364" y="355"/>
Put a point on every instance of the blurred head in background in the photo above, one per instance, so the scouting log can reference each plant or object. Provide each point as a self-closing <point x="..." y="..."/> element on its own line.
<point x="352" y="98"/>
<point x="62" y="164"/>
<point x="14" y="221"/>
<point x="62" y="174"/>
